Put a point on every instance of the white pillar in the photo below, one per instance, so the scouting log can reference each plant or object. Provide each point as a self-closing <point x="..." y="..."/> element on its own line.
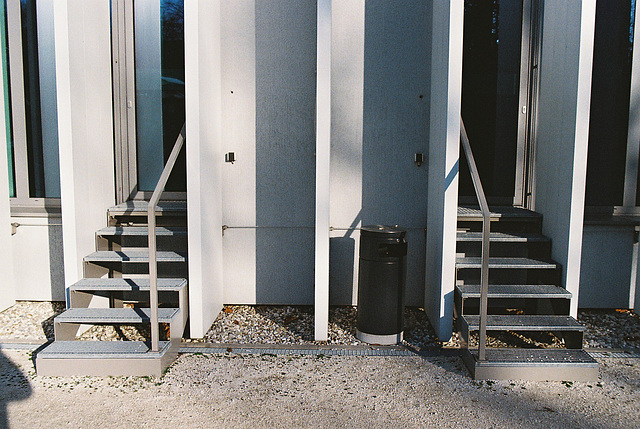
<point x="633" y="133"/>
<point x="563" y="131"/>
<point x="323" y="155"/>
<point x="204" y="161"/>
<point x="444" y="151"/>
<point x="85" y="125"/>
<point x="7" y="287"/>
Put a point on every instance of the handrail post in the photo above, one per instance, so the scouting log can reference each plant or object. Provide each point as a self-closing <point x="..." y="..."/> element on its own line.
<point x="486" y="234"/>
<point x="153" y="277"/>
<point x="151" y="223"/>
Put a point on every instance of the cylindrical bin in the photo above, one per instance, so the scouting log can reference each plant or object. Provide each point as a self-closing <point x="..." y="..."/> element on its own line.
<point x="381" y="284"/>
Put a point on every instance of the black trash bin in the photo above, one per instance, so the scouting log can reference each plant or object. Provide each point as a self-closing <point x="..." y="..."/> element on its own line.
<point x="381" y="284"/>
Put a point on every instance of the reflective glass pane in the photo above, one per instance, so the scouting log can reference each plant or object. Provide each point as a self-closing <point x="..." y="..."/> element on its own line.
<point x="159" y="54"/>
<point x="490" y="93"/>
<point x="7" y="103"/>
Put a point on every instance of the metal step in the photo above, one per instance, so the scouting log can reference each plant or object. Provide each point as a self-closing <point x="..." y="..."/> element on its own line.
<point x="122" y="285"/>
<point x="121" y="316"/>
<point x="136" y="231"/>
<point x="68" y="325"/>
<point x="133" y="256"/>
<point x="471" y="262"/>
<point x="470" y="214"/>
<point x="135" y="213"/>
<point x="139" y="208"/>
<point x="515" y="291"/>
<point x="502" y="237"/>
<point x="565" y="327"/>
<point x="529" y="299"/>
<point x="524" y="323"/>
<point x="106" y="358"/>
<point x="119" y="237"/>
<point x="532" y="364"/>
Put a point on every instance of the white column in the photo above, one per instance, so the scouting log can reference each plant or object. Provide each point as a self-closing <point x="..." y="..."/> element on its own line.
<point x="7" y="287"/>
<point x="204" y="161"/>
<point x="85" y="124"/>
<point x="323" y="155"/>
<point x="444" y="148"/>
<point x="563" y="131"/>
<point x="633" y="134"/>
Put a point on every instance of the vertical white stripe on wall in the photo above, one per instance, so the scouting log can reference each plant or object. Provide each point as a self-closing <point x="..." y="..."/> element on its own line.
<point x="633" y="135"/>
<point x="323" y="152"/>
<point x="444" y="151"/>
<point x="204" y="161"/>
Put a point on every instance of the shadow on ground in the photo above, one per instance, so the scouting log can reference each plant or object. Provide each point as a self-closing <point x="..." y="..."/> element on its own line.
<point x="14" y="386"/>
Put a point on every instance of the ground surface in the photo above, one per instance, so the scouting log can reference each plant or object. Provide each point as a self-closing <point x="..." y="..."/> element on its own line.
<point x="256" y="391"/>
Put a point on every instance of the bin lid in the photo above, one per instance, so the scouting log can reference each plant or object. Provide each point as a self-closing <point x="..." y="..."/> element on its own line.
<point x="384" y="229"/>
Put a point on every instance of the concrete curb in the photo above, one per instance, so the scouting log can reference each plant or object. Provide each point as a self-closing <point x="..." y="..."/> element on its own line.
<point x="324" y="349"/>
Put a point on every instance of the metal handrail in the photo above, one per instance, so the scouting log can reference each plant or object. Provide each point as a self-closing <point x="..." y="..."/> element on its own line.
<point x="486" y="229"/>
<point x="151" y="222"/>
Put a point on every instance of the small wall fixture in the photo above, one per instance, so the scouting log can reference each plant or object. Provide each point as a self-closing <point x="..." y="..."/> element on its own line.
<point x="419" y="159"/>
<point x="230" y="157"/>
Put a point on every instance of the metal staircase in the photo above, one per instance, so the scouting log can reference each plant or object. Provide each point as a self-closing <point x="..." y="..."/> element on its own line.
<point x="137" y="276"/>
<point x="115" y="290"/>
<point x="521" y="293"/>
<point x="524" y="297"/>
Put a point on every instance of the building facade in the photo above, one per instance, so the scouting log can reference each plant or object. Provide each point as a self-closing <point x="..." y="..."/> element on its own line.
<point x="324" y="108"/>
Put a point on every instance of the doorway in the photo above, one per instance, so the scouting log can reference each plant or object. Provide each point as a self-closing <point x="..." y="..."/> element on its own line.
<point x="499" y="82"/>
<point x="149" y="95"/>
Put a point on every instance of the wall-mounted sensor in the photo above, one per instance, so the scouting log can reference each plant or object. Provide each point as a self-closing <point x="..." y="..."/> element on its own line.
<point x="419" y="159"/>
<point x="230" y="157"/>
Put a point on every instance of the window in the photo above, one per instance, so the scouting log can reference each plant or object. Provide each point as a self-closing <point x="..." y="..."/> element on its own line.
<point x="30" y="91"/>
<point x="149" y="94"/>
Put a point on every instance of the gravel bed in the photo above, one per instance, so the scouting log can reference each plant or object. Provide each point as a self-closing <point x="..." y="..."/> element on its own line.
<point x="29" y="321"/>
<point x="293" y="325"/>
<point x="611" y="328"/>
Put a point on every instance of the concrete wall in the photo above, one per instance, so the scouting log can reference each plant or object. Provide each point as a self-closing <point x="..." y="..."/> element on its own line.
<point x="204" y="161"/>
<point x="268" y="195"/>
<point x="38" y="263"/>
<point x="85" y="125"/>
<point x="607" y="267"/>
<point x="379" y="121"/>
<point x="444" y="146"/>
<point x="562" y="134"/>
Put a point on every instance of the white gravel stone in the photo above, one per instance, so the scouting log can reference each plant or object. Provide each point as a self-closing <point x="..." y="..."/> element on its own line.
<point x="242" y="324"/>
<point x="265" y="391"/>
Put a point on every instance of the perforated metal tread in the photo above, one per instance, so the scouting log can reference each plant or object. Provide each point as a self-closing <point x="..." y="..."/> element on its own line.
<point x="513" y="356"/>
<point x="502" y="237"/>
<point x="505" y="263"/>
<point x="140" y="231"/>
<point x="524" y="323"/>
<point x="468" y="213"/>
<point x="120" y="284"/>
<point x="101" y="350"/>
<point x="138" y="256"/>
<point x="139" y="208"/>
<point x="515" y="291"/>
<point x="124" y="316"/>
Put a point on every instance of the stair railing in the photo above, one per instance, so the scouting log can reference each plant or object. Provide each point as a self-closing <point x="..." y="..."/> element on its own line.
<point x="151" y="222"/>
<point x="486" y="229"/>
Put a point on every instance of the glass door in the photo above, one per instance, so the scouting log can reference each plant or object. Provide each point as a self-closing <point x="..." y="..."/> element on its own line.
<point x="149" y="78"/>
<point x="497" y="97"/>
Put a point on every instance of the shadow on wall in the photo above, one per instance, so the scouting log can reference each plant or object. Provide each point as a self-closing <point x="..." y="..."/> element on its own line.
<point x="14" y="386"/>
<point x="56" y="262"/>
<point x="285" y="151"/>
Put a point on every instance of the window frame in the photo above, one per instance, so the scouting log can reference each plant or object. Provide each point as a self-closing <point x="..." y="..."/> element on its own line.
<point x="22" y="204"/>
